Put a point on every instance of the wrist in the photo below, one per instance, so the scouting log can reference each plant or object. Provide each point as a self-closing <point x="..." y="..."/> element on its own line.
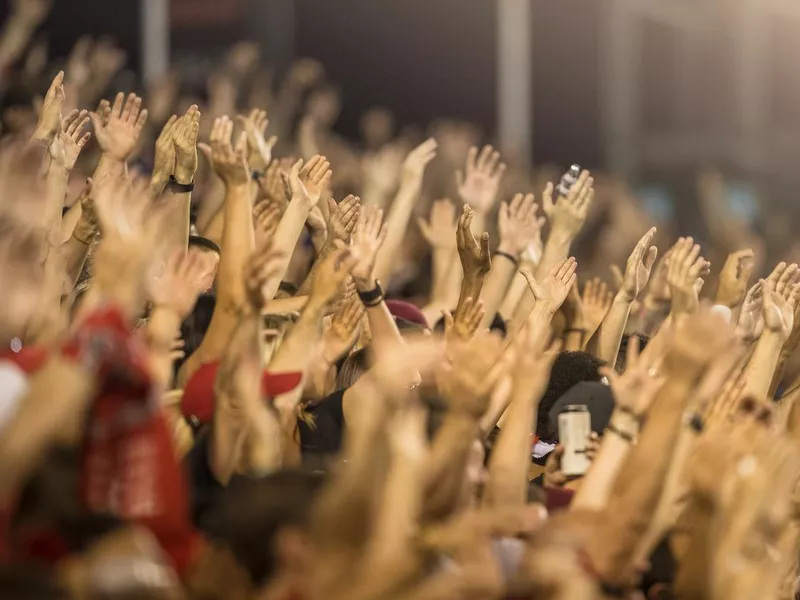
<point x="184" y="175"/>
<point x="507" y="249"/>
<point x="624" y="297"/>
<point x="365" y="285"/>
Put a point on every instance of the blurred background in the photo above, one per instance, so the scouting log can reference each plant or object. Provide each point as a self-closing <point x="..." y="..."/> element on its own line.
<point x="693" y="104"/>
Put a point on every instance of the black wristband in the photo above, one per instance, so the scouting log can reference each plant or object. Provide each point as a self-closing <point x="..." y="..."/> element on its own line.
<point x="179" y="188"/>
<point x="508" y="256"/>
<point x="373" y="297"/>
<point x="628" y="437"/>
<point x="256" y="175"/>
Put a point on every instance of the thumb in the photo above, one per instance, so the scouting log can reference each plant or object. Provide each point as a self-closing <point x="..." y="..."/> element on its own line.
<point x="485" y="245"/>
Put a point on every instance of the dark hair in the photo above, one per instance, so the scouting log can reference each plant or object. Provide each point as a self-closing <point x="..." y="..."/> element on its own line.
<point x="198" y="241"/>
<point x="194" y="328"/>
<point x="253" y="511"/>
<point x="569" y="369"/>
<point x="619" y="367"/>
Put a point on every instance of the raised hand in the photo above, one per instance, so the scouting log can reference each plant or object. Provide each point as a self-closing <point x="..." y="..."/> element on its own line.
<point x="332" y="272"/>
<point x="259" y="149"/>
<point x="518" y="224"/>
<point x="634" y="390"/>
<point x="50" y="119"/>
<point x="554" y="288"/>
<point x="368" y="238"/>
<point x="342" y="331"/>
<point x="473" y="369"/>
<point x="685" y="267"/>
<point x="417" y="160"/>
<point x="343" y="217"/>
<point x="479" y="184"/>
<point x="70" y="140"/>
<point x="119" y="134"/>
<point x="568" y="214"/>
<point x="230" y="163"/>
<point x="462" y="326"/>
<point x="314" y="177"/>
<point x="266" y="218"/>
<point x="164" y="160"/>
<point x="780" y="302"/>
<point x="438" y="230"/>
<point x="475" y="257"/>
<point x="180" y="283"/>
<point x="597" y="299"/>
<point x="751" y="320"/>
<point x="184" y="136"/>
<point x="263" y="266"/>
<point x="271" y="185"/>
<point x="637" y="270"/>
<point x="734" y="277"/>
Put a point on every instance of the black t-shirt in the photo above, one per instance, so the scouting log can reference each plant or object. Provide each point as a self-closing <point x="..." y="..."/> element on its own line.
<point x="323" y="437"/>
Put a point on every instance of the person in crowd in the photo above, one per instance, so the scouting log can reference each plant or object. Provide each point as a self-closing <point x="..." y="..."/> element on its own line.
<point x="214" y="383"/>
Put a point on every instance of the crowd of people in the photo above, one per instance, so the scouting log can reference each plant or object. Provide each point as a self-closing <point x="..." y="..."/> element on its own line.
<point x="246" y="358"/>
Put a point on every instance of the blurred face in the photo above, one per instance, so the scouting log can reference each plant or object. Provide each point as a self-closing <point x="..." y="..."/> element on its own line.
<point x="324" y="106"/>
<point x="377" y="126"/>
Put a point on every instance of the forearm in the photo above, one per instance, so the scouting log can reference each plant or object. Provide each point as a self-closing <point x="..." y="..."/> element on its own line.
<point x="444" y="475"/>
<point x="513" y="297"/>
<point x="57" y="183"/>
<point x="598" y="484"/>
<point x="108" y="167"/>
<point x="386" y="336"/>
<point x="237" y="245"/>
<point x="177" y="218"/>
<point x="555" y="250"/>
<point x="228" y="434"/>
<point x="396" y="223"/>
<point x="508" y="467"/>
<point x="399" y="511"/>
<point x="345" y="507"/>
<point x="500" y="278"/>
<point x="673" y="497"/>
<point x="296" y="351"/>
<point x="75" y="252"/>
<point x="761" y="368"/>
<point x="612" y="330"/>
<point x="286" y="236"/>
<point x="641" y="480"/>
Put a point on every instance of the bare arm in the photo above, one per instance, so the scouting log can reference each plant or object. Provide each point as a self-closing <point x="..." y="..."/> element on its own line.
<point x="237" y="245"/>
<point x="518" y="226"/>
<point x="637" y="273"/>
<point x="508" y="466"/>
<point x="400" y="212"/>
